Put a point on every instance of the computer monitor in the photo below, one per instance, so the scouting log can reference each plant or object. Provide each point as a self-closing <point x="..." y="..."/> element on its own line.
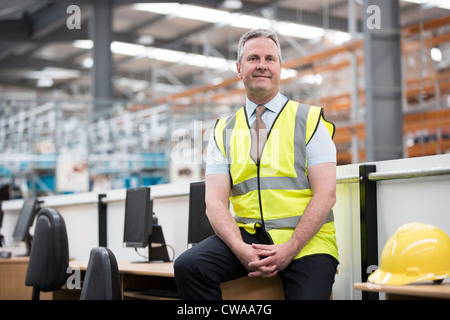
<point x="2" y="238"/>
<point x="138" y="217"/>
<point x="5" y="193"/>
<point x="199" y="227"/>
<point x="141" y="225"/>
<point x="25" y="221"/>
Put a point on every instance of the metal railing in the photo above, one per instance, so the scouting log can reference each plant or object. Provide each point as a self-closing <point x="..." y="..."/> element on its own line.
<point x="393" y="175"/>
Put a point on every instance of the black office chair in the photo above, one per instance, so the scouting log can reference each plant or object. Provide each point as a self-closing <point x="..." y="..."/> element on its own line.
<point x="102" y="280"/>
<point x="49" y="255"/>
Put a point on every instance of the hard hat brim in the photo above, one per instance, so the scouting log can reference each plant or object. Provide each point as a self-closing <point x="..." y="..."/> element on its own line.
<point x="389" y="278"/>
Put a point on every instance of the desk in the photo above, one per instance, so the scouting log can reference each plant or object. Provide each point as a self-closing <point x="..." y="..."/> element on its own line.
<point x="247" y="288"/>
<point x="416" y="291"/>
<point x="134" y="277"/>
<point x="137" y="277"/>
<point x="13" y="272"/>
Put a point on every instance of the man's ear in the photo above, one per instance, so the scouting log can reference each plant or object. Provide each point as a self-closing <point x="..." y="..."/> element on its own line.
<point x="238" y="69"/>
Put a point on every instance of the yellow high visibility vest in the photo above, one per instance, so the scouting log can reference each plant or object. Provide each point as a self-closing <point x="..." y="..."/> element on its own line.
<point x="274" y="193"/>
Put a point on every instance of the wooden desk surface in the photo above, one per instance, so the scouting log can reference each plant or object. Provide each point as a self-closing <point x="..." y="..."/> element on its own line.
<point x="163" y="269"/>
<point x="15" y="260"/>
<point x="440" y="291"/>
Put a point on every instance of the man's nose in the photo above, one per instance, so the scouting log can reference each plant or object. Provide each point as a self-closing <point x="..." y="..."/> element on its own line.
<point x="262" y="66"/>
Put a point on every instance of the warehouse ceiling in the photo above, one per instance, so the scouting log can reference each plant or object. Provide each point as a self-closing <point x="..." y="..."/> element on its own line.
<point x="162" y="49"/>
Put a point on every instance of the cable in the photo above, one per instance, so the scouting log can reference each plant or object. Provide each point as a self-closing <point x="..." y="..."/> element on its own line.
<point x="173" y="252"/>
<point x="162" y="245"/>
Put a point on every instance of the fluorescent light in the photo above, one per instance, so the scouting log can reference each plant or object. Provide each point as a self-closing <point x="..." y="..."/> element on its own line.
<point x="44" y="83"/>
<point x="443" y="4"/>
<point x="233" y="19"/>
<point x="83" y="44"/>
<point x="232" y="4"/>
<point x="192" y="59"/>
<point x="299" y="30"/>
<point x="160" y="8"/>
<point x="314" y="79"/>
<point x="146" y="40"/>
<point x="53" y="73"/>
<point x="338" y="37"/>
<point x="248" y="22"/>
<point x="436" y="54"/>
<point x="416" y="1"/>
<point x="288" y="73"/>
<point x="87" y="63"/>
<point x="166" y="55"/>
<point x="124" y="48"/>
<point x="202" y="14"/>
<point x="185" y="11"/>
<point x="127" y="49"/>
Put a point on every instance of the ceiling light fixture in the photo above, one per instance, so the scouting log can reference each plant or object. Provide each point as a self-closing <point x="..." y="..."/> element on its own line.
<point x="228" y="18"/>
<point x="443" y="4"/>
<point x="232" y="4"/>
<point x="44" y="82"/>
<point x="436" y="54"/>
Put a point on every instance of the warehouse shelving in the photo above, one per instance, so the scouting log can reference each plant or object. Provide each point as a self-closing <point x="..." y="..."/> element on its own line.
<point x="135" y="139"/>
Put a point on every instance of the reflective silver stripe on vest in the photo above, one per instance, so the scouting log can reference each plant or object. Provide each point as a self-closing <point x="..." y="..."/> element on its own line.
<point x="266" y="183"/>
<point x="289" y="222"/>
<point x="227" y="130"/>
<point x="301" y="118"/>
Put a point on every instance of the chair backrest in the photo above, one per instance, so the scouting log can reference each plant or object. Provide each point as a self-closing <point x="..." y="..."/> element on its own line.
<point x="102" y="279"/>
<point x="49" y="255"/>
<point x="199" y="227"/>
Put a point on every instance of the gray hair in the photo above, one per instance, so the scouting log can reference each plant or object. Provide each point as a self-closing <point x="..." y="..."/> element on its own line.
<point x="257" y="33"/>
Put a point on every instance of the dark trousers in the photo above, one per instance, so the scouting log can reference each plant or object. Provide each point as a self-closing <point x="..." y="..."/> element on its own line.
<point x="200" y="270"/>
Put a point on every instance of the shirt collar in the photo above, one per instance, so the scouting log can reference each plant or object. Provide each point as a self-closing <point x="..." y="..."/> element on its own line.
<point x="273" y="105"/>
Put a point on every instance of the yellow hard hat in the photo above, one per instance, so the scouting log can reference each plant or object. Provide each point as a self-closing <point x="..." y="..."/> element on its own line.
<point x="417" y="252"/>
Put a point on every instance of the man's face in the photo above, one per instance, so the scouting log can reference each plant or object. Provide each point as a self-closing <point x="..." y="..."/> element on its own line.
<point x="260" y="69"/>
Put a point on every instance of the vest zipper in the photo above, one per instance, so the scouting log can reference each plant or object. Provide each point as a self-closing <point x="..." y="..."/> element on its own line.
<point x="259" y="195"/>
<point x="260" y="206"/>
<point x="258" y="168"/>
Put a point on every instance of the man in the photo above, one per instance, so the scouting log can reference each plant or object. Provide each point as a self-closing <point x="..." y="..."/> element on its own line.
<point x="281" y="196"/>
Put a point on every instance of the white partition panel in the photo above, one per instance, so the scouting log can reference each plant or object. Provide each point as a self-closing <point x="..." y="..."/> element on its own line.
<point x="346" y="215"/>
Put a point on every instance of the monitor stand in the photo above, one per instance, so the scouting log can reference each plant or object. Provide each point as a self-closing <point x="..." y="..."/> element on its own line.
<point x="2" y="238"/>
<point x="157" y="249"/>
<point x="28" y="242"/>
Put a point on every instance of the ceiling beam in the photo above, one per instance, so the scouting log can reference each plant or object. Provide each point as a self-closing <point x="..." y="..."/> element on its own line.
<point x="47" y="20"/>
<point x="20" y="62"/>
<point x="16" y="29"/>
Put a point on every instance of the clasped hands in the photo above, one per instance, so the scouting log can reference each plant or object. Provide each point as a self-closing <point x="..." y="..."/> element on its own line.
<point x="264" y="260"/>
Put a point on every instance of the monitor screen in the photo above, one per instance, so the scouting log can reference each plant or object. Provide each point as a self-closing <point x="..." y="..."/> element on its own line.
<point x="199" y="226"/>
<point x="25" y="221"/>
<point x="4" y="192"/>
<point x="138" y="217"/>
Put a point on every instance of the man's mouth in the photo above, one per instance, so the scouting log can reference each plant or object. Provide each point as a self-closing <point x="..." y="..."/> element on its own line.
<point x="261" y="76"/>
